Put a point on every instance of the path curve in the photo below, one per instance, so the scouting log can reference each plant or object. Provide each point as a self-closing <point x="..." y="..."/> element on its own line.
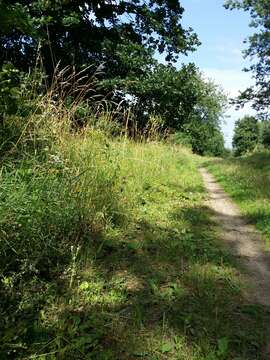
<point x="244" y="241"/>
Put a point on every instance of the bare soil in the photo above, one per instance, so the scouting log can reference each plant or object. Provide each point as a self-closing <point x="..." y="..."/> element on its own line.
<point x="245" y="242"/>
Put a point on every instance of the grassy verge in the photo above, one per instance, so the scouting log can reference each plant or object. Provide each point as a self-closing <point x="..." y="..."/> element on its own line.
<point x="109" y="253"/>
<point x="247" y="181"/>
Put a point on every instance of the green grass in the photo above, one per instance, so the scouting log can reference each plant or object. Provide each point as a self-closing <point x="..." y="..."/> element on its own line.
<point x="247" y="181"/>
<point x="108" y="252"/>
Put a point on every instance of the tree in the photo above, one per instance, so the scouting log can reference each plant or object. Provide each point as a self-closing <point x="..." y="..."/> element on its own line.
<point x="258" y="49"/>
<point x="13" y="16"/>
<point x="265" y="133"/>
<point x="123" y="35"/>
<point x="179" y="96"/>
<point x="246" y="135"/>
<point x="205" y="138"/>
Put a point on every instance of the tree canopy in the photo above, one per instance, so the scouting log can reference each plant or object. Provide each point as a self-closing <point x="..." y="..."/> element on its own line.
<point x="265" y="133"/>
<point x="179" y="96"/>
<point x="246" y="135"/>
<point x="259" y="51"/>
<point x="83" y="32"/>
<point x="122" y="38"/>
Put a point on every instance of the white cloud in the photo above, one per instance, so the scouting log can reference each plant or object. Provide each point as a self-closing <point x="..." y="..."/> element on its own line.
<point x="231" y="80"/>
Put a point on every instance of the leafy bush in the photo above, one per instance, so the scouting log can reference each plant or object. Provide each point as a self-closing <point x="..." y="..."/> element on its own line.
<point x="205" y="138"/>
<point x="246" y="135"/>
<point x="10" y="89"/>
<point x="181" y="138"/>
<point x="265" y="133"/>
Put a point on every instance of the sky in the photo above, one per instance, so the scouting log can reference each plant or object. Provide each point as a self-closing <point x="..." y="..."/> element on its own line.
<point x="221" y="33"/>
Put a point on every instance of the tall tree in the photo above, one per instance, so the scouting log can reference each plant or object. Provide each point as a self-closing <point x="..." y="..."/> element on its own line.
<point x="265" y="133"/>
<point x="246" y="135"/>
<point x="259" y="51"/>
<point x="121" y="34"/>
<point x="179" y="96"/>
<point x="13" y="17"/>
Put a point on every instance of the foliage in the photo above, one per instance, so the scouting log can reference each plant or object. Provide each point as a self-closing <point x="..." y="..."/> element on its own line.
<point x="258" y="49"/>
<point x="13" y="16"/>
<point x="19" y="92"/>
<point x="91" y="32"/>
<point x="171" y="97"/>
<point x="265" y="133"/>
<point x="178" y="96"/>
<point x="205" y="138"/>
<point x="119" y="39"/>
<point x="246" y="135"/>
<point x="180" y="138"/>
<point x="10" y="89"/>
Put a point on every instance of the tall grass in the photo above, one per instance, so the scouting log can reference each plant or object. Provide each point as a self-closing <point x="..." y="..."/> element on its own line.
<point x="107" y="251"/>
<point x="63" y="184"/>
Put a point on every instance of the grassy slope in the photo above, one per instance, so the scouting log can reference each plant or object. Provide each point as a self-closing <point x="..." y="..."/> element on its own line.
<point x="247" y="180"/>
<point x="147" y="276"/>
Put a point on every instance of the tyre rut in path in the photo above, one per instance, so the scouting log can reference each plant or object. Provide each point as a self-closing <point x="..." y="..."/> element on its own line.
<point x="245" y="242"/>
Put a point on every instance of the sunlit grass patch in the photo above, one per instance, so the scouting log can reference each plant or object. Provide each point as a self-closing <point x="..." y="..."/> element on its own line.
<point x="247" y="180"/>
<point x="137" y="269"/>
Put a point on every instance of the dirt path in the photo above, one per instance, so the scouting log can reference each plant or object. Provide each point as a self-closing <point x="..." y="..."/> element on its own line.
<point x="243" y="239"/>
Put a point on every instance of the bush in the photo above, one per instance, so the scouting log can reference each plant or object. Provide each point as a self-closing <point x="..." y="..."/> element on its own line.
<point x="180" y="138"/>
<point x="246" y="135"/>
<point x="205" y="138"/>
<point x="10" y="89"/>
<point x="265" y="133"/>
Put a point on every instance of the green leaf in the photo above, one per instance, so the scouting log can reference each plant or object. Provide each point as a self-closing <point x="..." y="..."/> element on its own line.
<point x="167" y="347"/>
<point x="223" y="345"/>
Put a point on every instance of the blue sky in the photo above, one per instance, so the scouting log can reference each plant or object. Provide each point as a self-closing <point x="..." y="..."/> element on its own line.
<point x="221" y="33"/>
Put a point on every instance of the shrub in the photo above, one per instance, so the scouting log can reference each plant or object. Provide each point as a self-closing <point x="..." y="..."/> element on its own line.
<point x="10" y="89"/>
<point x="205" y="138"/>
<point x="265" y="133"/>
<point x="246" y="135"/>
<point x="181" y="138"/>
